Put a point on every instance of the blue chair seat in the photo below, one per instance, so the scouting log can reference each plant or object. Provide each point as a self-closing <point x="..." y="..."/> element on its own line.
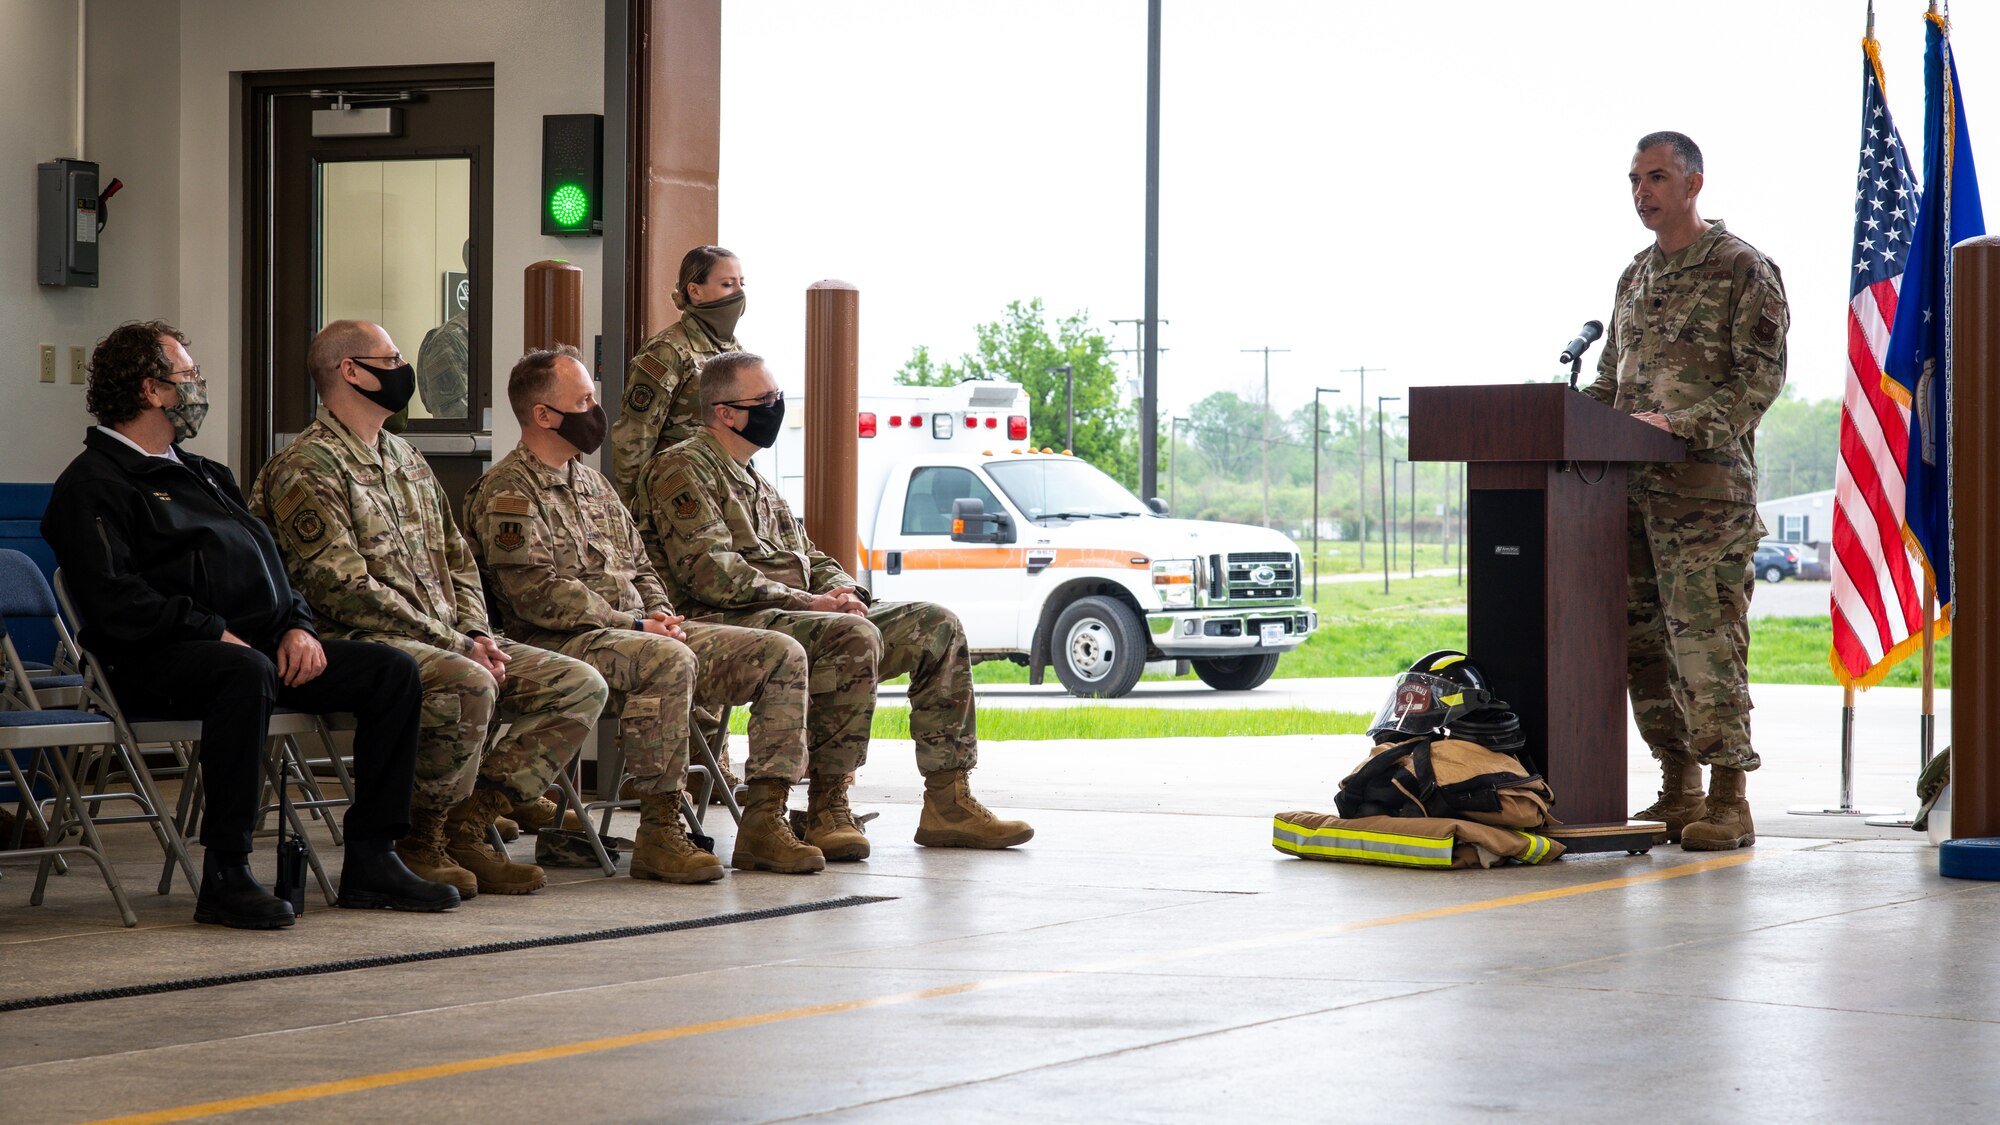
<point x="50" y="718"/>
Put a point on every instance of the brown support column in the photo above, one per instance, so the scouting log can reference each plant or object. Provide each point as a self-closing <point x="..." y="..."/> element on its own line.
<point x="676" y="138"/>
<point x="1975" y="570"/>
<point x="552" y="305"/>
<point x="833" y="395"/>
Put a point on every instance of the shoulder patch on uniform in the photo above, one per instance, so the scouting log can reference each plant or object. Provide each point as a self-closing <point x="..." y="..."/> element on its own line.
<point x="1766" y="331"/>
<point x="306" y="528"/>
<point x="509" y="537"/>
<point x="639" y="397"/>
<point x="290" y="501"/>
<point x="685" y="505"/>
<point x="510" y="503"/>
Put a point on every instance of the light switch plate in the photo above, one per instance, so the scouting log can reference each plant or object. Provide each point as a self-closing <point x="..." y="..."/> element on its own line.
<point x="48" y="363"/>
<point x="77" y="370"/>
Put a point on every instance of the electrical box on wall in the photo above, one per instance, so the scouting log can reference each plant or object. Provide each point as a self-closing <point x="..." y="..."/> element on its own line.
<point x="573" y="174"/>
<point x="66" y="223"/>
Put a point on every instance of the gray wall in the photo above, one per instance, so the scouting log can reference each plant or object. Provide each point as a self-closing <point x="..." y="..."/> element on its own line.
<point x="164" y="114"/>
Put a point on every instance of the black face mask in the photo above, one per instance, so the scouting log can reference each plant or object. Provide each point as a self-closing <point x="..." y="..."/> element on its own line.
<point x="398" y="384"/>
<point x="762" y="423"/>
<point x="583" y="429"/>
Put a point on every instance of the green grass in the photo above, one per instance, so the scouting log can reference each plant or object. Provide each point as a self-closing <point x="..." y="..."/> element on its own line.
<point x="1098" y="721"/>
<point x="1793" y="650"/>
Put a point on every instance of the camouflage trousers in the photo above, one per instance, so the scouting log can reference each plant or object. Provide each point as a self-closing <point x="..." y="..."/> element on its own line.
<point x="1687" y="610"/>
<point x="655" y="681"/>
<point x="851" y="654"/>
<point x="547" y="705"/>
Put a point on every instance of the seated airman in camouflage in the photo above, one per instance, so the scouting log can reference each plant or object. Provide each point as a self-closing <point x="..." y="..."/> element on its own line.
<point x="368" y="538"/>
<point x="731" y="551"/>
<point x="569" y="573"/>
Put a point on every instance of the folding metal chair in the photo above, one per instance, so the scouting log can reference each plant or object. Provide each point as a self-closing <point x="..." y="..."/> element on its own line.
<point x="57" y="736"/>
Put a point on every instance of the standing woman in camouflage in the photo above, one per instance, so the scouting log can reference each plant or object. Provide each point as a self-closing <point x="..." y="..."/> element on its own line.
<point x="662" y="405"/>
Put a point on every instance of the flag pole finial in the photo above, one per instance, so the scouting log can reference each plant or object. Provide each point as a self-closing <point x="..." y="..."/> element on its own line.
<point x="1871" y="20"/>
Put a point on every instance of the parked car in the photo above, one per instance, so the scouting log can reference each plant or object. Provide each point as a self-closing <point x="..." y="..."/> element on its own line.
<point x="1777" y="561"/>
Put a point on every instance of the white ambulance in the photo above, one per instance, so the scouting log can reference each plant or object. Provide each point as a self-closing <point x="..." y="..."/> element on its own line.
<point x="1045" y="558"/>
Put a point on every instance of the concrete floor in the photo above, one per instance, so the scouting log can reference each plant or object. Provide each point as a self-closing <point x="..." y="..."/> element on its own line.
<point x="1148" y="957"/>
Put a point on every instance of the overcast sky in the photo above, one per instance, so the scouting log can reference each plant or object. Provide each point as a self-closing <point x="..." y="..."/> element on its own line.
<point x="1435" y="189"/>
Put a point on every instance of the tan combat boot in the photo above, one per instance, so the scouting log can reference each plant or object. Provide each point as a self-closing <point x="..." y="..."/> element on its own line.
<point x="508" y="827"/>
<point x="465" y="842"/>
<point x="422" y="851"/>
<point x="954" y="818"/>
<point x="764" y="841"/>
<point x="663" y="850"/>
<point x="1680" y="795"/>
<point x="830" y="823"/>
<point x="533" y="816"/>
<point x="1725" y="816"/>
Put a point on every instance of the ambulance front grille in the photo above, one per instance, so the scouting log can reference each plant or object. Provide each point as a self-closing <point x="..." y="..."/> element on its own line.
<point x="1236" y="577"/>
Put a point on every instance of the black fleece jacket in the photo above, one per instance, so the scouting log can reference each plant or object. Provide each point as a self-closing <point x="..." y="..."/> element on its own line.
<point x="156" y="553"/>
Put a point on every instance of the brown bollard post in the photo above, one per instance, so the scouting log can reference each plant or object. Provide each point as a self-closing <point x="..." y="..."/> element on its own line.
<point x="552" y="294"/>
<point x="833" y="396"/>
<point x="1975" y="569"/>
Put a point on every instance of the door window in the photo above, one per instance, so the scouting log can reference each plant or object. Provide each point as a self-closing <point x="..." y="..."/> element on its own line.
<point x="395" y="239"/>
<point x="927" y="506"/>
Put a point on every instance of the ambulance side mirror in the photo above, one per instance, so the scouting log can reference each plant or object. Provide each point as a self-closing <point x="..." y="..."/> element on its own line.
<point x="1157" y="505"/>
<point x="972" y="523"/>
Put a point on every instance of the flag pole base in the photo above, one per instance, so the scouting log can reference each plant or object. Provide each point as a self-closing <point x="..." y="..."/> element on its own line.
<point x="1892" y="821"/>
<point x="1848" y="811"/>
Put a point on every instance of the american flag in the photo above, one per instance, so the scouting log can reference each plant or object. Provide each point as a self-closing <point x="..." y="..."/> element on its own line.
<point x="1877" y="607"/>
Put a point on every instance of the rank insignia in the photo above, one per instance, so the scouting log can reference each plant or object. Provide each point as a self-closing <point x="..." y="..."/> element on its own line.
<point x="509" y="537"/>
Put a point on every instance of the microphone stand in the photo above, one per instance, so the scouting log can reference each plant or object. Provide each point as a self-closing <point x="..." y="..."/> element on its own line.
<point x="1575" y="369"/>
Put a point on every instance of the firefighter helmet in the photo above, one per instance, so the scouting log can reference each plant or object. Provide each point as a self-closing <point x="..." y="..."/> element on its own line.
<point x="1437" y="690"/>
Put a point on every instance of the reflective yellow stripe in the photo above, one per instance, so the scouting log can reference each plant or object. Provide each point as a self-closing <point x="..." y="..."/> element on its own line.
<point x="1352" y="843"/>
<point x="1538" y="847"/>
<point x="1446" y="662"/>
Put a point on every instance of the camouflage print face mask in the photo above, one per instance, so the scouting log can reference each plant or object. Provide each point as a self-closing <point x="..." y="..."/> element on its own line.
<point x="189" y="411"/>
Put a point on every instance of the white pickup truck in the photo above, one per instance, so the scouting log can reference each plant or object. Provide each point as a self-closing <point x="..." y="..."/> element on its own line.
<point x="1045" y="558"/>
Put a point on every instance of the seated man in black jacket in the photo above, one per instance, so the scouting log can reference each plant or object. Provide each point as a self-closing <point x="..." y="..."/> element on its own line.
<point x="184" y="598"/>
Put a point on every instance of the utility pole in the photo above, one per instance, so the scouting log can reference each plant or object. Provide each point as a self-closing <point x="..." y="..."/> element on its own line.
<point x="1069" y="406"/>
<point x="1318" y="436"/>
<point x="1395" y="506"/>
<point x="1267" y="424"/>
<point x="1149" y="375"/>
<point x="1381" y="484"/>
<point x="1173" y="451"/>
<point x="1361" y="454"/>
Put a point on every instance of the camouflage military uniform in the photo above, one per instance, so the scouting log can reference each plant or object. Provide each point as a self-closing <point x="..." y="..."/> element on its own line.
<point x="731" y="550"/>
<point x="569" y="573"/>
<point x="443" y="365"/>
<point x="662" y="405"/>
<point x="1698" y="337"/>
<point x="369" y="540"/>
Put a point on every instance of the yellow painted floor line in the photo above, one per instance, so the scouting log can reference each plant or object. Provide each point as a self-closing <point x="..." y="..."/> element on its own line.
<point x="685" y="1031"/>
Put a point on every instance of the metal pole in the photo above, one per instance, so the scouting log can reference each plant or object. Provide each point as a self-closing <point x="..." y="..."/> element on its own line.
<point x="1319" y="435"/>
<point x="1069" y="406"/>
<point x="1846" y="806"/>
<point x="1361" y="455"/>
<point x="1413" y="519"/>
<point x="1173" y="451"/>
<point x="1395" y="506"/>
<point x="1267" y="424"/>
<point x="1464" y="491"/>
<point x="1381" y="485"/>
<point x="1149" y="377"/>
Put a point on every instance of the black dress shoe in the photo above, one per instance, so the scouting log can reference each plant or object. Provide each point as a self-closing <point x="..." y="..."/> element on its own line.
<point x="372" y="879"/>
<point x="231" y="896"/>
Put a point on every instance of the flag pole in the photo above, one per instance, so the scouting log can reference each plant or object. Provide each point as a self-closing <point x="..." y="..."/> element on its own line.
<point x="1927" y="720"/>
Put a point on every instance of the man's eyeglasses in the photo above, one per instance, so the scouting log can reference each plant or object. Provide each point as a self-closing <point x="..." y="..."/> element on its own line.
<point x="393" y="359"/>
<point x="772" y="399"/>
<point x="194" y="374"/>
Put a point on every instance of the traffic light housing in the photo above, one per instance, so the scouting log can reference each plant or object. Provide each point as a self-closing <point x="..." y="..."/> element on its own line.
<point x="572" y="201"/>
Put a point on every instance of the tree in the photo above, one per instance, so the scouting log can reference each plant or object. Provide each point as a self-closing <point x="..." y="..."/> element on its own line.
<point x="1019" y="348"/>
<point x="1798" y="445"/>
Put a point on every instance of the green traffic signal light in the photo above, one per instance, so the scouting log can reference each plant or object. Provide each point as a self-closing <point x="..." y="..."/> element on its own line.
<point x="569" y="206"/>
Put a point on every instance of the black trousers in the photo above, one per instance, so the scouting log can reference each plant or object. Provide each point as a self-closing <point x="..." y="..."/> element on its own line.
<point x="233" y="689"/>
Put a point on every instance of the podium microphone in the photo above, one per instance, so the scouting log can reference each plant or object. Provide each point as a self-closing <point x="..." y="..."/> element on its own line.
<point x="1573" y="351"/>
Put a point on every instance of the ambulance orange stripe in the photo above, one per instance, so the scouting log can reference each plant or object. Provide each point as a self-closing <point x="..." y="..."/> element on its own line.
<point x="1014" y="559"/>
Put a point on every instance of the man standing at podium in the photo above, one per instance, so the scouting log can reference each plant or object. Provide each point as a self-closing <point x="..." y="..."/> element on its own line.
<point x="1697" y="348"/>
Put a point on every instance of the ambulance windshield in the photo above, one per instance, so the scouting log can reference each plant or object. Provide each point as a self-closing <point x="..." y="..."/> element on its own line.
<point x="1048" y="488"/>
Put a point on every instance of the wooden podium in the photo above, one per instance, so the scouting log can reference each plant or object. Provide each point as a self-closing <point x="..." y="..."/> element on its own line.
<point x="1545" y="567"/>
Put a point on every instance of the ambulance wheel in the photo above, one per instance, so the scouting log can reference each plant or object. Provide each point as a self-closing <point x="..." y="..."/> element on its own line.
<point x="1236" y="673"/>
<point x="1100" y="648"/>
